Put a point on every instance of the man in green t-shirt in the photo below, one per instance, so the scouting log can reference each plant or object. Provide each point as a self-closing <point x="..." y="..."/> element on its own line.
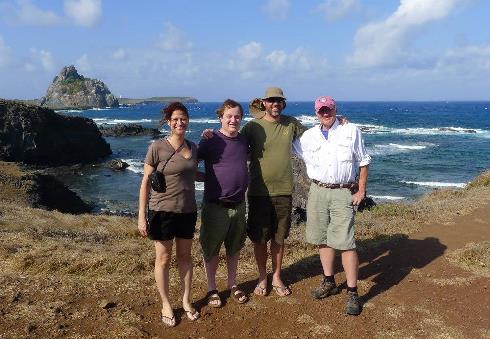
<point x="270" y="139"/>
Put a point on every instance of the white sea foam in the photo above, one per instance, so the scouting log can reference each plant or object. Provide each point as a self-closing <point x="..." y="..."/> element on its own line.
<point x="393" y="148"/>
<point x="107" y="121"/>
<point x="135" y="165"/>
<point x="307" y="120"/>
<point x="436" y="184"/>
<point x="386" y="197"/>
<point x="204" y="121"/>
<point x="199" y="186"/>
<point x="409" y="147"/>
<point x="69" y="111"/>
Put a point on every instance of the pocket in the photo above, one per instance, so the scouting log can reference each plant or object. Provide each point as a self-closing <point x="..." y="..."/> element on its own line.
<point x="150" y="216"/>
<point x="344" y="153"/>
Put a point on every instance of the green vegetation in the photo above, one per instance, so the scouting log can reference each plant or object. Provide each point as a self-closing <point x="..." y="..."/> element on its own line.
<point x="73" y="85"/>
<point x="474" y="257"/>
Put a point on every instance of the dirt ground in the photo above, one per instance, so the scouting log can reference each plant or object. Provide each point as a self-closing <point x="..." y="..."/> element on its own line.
<point x="409" y="287"/>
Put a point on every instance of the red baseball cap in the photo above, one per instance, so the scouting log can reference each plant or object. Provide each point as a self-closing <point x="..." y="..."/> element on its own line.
<point x="324" y="101"/>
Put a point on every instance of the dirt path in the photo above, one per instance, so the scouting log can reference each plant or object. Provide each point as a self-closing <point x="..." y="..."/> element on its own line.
<point x="408" y="286"/>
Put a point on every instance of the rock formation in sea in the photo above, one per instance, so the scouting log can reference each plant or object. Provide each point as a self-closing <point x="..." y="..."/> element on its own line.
<point x="128" y="130"/>
<point x="70" y="90"/>
<point x="38" y="135"/>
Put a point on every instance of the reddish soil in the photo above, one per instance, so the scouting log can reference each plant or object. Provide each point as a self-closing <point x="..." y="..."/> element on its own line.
<point x="408" y="286"/>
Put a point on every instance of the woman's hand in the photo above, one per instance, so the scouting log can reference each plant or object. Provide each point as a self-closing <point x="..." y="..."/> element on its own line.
<point x="142" y="227"/>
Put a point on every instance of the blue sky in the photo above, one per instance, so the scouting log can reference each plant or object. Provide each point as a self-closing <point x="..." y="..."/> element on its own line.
<point x="212" y="50"/>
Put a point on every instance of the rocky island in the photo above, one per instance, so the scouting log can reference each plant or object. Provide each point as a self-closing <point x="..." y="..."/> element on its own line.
<point x="70" y="90"/>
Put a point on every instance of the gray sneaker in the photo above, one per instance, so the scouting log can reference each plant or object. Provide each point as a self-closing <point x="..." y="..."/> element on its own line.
<point x="325" y="289"/>
<point x="353" y="304"/>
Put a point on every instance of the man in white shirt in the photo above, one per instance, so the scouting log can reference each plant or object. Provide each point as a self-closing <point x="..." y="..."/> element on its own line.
<point x="334" y="154"/>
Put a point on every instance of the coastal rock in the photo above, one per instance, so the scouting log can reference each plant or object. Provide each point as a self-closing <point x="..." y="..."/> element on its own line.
<point x="117" y="164"/>
<point x="301" y="187"/>
<point x="459" y="130"/>
<point x="127" y="130"/>
<point x="37" y="135"/>
<point x="70" y="90"/>
<point x="24" y="187"/>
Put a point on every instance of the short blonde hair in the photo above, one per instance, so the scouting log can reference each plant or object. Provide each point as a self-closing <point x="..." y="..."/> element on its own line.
<point x="228" y="103"/>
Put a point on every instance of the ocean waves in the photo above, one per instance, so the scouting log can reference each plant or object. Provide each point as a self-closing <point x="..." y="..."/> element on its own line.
<point x="108" y="121"/>
<point x="436" y="184"/>
<point x="395" y="148"/>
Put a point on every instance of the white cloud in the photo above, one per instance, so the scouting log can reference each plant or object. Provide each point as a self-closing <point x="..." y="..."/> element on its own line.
<point x="277" y="9"/>
<point x="29" y="14"/>
<point x="384" y="43"/>
<point x="45" y="58"/>
<point x="84" y="12"/>
<point x="250" y="51"/>
<point x="250" y="61"/>
<point x="28" y="67"/>
<point x="468" y="59"/>
<point x="337" y="9"/>
<point x="4" y="53"/>
<point x="173" y="39"/>
<point x="83" y="64"/>
<point x="119" y="54"/>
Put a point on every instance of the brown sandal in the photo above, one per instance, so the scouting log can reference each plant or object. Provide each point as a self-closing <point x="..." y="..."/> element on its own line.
<point x="213" y="296"/>
<point x="238" y="295"/>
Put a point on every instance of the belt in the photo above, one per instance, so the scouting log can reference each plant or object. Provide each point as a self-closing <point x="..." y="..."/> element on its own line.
<point x="349" y="185"/>
<point x="226" y="204"/>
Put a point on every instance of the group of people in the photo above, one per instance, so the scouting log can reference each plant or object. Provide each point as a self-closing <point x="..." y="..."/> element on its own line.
<point x="254" y="161"/>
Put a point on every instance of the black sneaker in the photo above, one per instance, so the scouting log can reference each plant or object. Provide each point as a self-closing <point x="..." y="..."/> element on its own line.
<point x="325" y="289"/>
<point x="353" y="305"/>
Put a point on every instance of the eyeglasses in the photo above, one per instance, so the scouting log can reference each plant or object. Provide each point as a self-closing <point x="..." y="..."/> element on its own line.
<point x="325" y="111"/>
<point x="272" y="100"/>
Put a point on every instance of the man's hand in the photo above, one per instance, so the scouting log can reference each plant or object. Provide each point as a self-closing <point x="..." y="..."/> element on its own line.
<point x="207" y="133"/>
<point x="357" y="197"/>
<point x="342" y="119"/>
<point x="142" y="227"/>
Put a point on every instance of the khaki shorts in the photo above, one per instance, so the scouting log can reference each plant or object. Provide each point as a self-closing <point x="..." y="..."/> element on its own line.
<point x="330" y="218"/>
<point x="269" y="218"/>
<point x="221" y="224"/>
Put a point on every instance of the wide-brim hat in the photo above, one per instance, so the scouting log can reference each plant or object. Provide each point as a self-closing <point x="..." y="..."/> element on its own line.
<point x="274" y="92"/>
<point x="256" y="108"/>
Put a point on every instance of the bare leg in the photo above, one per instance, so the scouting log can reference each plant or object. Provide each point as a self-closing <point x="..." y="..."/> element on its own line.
<point x="184" y="260"/>
<point x="350" y="262"/>
<point x="232" y="265"/>
<point x="327" y="257"/>
<point x="211" y="268"/>
<point x="277" y="254"/>
<point x="163" y="256"/>
<point x="260" y="251"/>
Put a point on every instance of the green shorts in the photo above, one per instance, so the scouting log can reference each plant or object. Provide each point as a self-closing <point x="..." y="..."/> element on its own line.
<point x="269" y="218"/>
<point x="330" y="218"/>
<point x="222" y="224"/>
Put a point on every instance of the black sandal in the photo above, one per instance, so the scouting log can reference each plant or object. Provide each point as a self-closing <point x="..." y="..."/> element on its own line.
<point x="238" y="295"/>
<point x="213" y="296"/>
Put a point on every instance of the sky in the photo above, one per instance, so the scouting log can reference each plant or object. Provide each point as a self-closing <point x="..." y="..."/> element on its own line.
<point x="353" y="50"/>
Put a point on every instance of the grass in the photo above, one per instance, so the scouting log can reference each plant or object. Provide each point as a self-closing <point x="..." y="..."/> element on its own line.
<point x="474" y="257"/>
<point x="52" y="261"/>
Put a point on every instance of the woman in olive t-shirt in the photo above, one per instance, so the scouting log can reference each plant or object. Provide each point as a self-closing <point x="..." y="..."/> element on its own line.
<point x="173" y="213"/>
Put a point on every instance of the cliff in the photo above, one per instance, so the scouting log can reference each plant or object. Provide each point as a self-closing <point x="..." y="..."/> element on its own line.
<point x="37" y="135"/>
<point x="72" y="90"/>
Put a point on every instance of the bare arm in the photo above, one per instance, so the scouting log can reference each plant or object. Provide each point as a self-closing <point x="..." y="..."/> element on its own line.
<point x="143" y="199"/>
<point x="361" y="193"/>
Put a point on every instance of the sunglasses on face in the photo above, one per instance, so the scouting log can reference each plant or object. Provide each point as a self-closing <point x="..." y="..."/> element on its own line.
<point x="275" y="100"/>
<point x="325" y="110"/>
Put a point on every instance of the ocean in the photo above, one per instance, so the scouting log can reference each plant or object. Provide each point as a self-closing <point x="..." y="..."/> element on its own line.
<point x="415" y="147"/>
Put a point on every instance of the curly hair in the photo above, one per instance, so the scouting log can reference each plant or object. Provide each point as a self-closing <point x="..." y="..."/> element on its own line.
<point x="170" y="108"/>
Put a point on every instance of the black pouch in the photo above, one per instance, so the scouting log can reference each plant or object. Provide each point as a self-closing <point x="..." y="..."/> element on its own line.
<point x="157" y="182"/>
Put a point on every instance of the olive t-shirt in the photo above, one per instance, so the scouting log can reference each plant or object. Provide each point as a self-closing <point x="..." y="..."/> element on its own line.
<point x="179" y="172"/>
<point x="271" y="172"/>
